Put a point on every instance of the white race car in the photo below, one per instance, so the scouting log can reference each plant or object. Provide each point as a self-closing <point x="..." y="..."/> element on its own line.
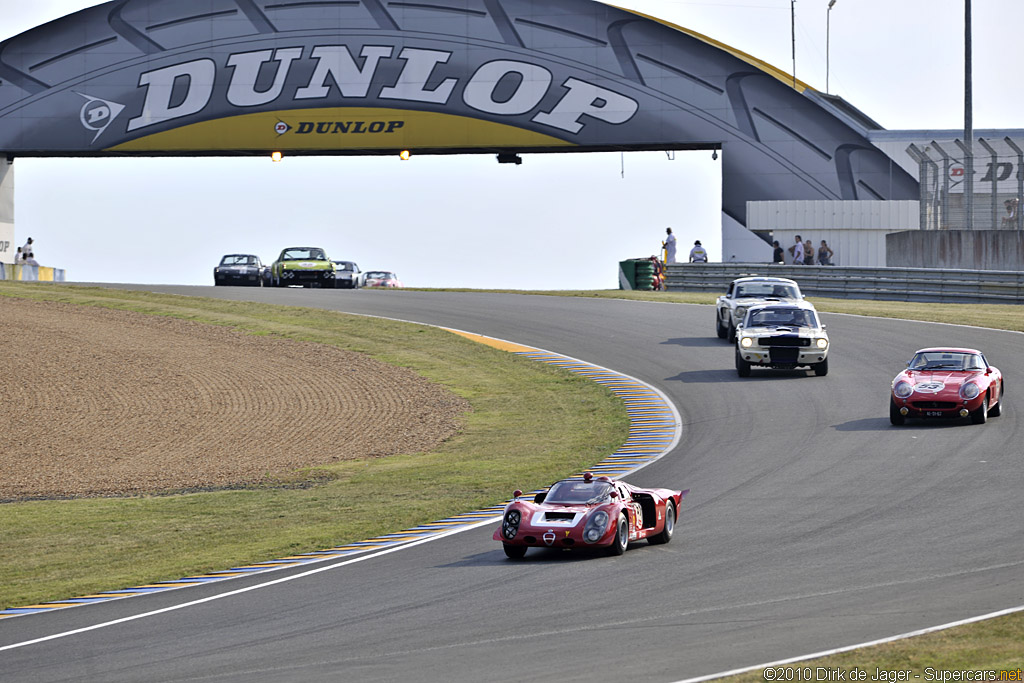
<point x="782" y="336"/>
<point x="745" y="292"/>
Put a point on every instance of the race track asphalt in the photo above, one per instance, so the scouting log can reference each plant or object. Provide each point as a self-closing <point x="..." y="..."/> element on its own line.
<point x="812" y="524"/>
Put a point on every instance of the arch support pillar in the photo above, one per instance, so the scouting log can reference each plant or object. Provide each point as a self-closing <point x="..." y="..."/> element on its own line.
<point x="7" y="246"/>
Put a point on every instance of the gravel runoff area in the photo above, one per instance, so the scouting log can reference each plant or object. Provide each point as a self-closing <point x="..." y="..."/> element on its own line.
<point x="100" y="402"/>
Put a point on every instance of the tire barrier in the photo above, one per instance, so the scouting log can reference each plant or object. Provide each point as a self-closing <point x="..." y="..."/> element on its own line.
<point x="640" y="274"/>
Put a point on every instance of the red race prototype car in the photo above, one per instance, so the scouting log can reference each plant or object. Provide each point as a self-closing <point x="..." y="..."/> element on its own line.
<point x="946" y="382"/>
<point x="589" y="512"/>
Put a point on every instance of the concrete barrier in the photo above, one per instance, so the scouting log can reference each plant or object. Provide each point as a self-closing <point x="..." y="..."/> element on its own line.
<point x="970" y="249"/>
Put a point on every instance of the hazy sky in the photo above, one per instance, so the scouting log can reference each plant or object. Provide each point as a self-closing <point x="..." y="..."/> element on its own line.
<point x="557" y="221"/>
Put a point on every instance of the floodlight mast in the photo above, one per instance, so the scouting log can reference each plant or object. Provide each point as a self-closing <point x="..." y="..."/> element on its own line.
<point x="828" y="33"/>
<point x="968" y="120"/>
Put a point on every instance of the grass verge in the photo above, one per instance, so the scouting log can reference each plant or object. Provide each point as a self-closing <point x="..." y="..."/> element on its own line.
<point x="530" y="424"/>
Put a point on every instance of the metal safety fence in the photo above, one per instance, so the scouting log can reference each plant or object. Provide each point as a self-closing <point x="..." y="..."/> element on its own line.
<point x="971" y="187"/>
<point x="848" y="282"/>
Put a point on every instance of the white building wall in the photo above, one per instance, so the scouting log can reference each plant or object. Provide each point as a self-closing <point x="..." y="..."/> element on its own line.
<point x="7" y="246"/>
<point x="855" y="230"/>
<point x="739" y="245"/>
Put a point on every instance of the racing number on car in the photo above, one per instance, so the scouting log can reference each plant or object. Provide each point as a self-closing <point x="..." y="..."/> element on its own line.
<point x="638" y="516"/>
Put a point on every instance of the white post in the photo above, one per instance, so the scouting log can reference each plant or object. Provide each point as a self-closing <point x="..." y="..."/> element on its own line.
<point x="7" y="245"/>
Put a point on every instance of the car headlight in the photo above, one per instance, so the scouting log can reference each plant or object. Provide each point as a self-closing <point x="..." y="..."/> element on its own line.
<point x="596" y="526"/>
<point x="903" y="389"/>
<point x="746" y="342"/>
<point x="970" y="390"/>
<point x="821" y="343"/>
<point x="741" y="311"/>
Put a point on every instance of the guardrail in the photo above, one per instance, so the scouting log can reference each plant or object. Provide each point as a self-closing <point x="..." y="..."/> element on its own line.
<point x="848" y="282"/>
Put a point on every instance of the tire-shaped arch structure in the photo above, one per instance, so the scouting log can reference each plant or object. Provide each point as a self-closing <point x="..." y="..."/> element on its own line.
<point x="234" y="77"/>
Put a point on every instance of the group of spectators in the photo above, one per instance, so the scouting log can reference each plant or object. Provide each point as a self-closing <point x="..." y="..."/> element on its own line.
<point x="804" y="254"/>
<point x="697" y="255"/>
<point x="25" y="256"/>
<point x="801" y="253"/>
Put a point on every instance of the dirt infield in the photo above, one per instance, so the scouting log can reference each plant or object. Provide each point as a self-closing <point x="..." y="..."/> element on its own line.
<point x="98" y="402"/>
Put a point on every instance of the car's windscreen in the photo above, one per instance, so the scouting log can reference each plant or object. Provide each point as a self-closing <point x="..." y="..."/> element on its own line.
<point x="946" y="360"/>
<point x="303" y="255"/>
<point x="578" y="492"/>
<point x="379" y="275"/>
<point x="781" y="317"/>
<point x="344" y="266"/>
<point x="764" y="290"/>
<point x="238" y="260"/>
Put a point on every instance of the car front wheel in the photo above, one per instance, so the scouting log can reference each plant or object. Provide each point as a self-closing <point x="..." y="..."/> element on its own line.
<point x="997" y="409"/>
<point x="719" y="327"/>
<point x="821" y="369"/>
<point x="621" y="538"/>
<point x="980" y="416"/>
<point x="516" y="552"/>
<point x="894" y="414"/>
<point x="742" y="366"/>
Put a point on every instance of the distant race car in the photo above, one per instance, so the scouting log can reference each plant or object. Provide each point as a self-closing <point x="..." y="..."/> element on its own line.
<point x="239" y="269"/>
<point x="782" y="336"/>
<point x="744" y="292"/>
<point x="589" y="512"/>
<point x="347" y="275"/>
<point x="380" y="278"/>
<point x="947" y="382"/>
<point x="306" y="266"/>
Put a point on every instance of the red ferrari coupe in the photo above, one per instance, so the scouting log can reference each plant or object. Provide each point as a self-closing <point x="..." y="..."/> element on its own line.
<point x="589" y="512"/>
<point x="947" y="383"/>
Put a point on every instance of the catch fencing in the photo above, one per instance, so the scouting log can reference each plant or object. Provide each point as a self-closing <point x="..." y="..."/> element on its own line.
<point x="842" y="282"/>
<point x="987" y="185"/>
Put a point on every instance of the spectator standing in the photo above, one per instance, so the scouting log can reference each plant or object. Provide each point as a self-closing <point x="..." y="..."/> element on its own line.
<point x="698" y="254"/>
<point x="825" y="254"/>
<point x="1010" y="219"/>
<point x="808" y="253"/>
<point x="796" y="250"/>
<point x="778" y="255"/>
<point x="19" y="258"/>
<point x="669" y="245"/>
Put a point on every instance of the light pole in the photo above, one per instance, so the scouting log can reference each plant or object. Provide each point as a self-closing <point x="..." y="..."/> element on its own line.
<point x="792" y="32"/>
<point x="828" y="31"/>
<point x="968" y="121"/>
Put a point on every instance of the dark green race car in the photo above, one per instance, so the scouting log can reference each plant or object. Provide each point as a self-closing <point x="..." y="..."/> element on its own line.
<point x="306" y="266"/>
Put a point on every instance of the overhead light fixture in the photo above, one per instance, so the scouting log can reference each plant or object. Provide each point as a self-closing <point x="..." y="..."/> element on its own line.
<point x="509" y="158"/>
<point x="404" y="155"/>
<point x="714" y="155"/>
<point x="275" y="156"/>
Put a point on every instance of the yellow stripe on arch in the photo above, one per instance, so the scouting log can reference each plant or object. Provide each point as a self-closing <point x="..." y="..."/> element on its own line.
<point x="774" y="71"/>
<point x="339" y="129"/>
